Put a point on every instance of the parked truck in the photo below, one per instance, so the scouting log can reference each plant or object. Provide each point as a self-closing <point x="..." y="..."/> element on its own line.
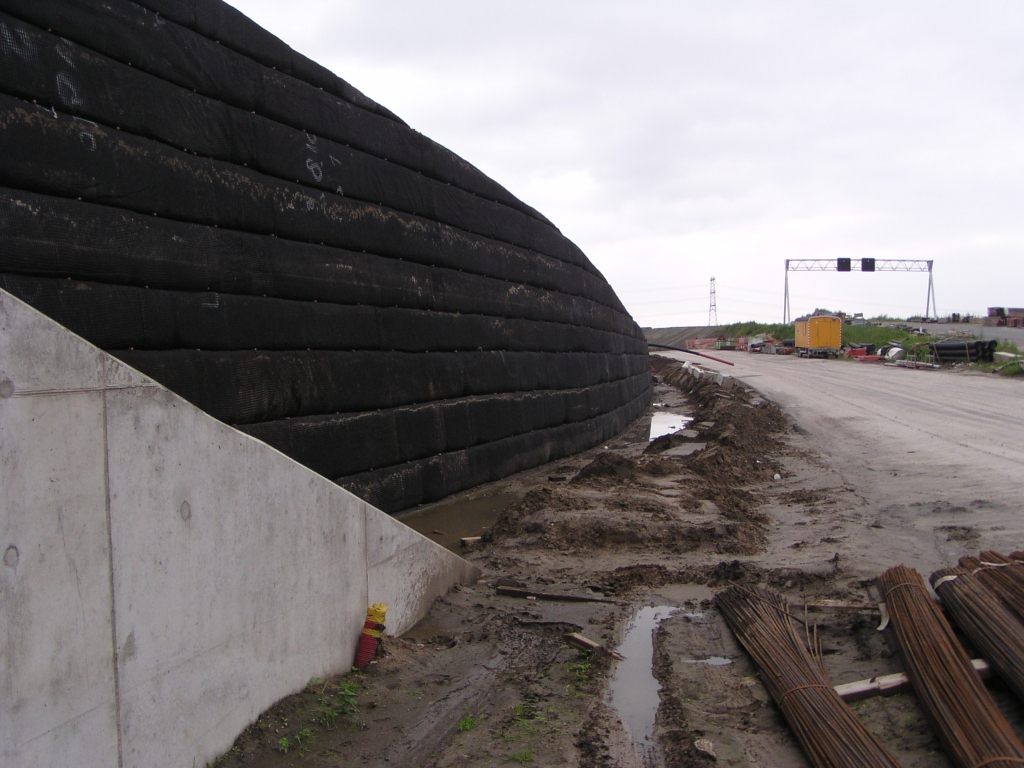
<point x="819" y="336"/>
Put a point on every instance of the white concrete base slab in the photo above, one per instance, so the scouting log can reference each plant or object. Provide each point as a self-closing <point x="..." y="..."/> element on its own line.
<point x="166" y="578"/>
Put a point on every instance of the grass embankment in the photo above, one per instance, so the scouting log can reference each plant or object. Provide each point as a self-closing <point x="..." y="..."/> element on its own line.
<point x="736" y="330"/>
<point x="858" y="334"/>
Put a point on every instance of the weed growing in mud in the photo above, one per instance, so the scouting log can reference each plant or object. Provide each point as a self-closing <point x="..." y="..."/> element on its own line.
<point x="523" y="711"/>
<point x="581" y="669"/>
<point x="283" y="745"/>
<point x="467" y="723"/>
<point x="341" y="702"/>
<point x="302" y="739"/>
<point x="526" y="756"/>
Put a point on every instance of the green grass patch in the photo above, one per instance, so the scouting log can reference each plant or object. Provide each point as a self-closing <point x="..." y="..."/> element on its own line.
<point x="778" y="330"/>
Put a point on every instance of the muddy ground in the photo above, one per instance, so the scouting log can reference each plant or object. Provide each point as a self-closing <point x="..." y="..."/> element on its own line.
<point x="738" y="496"/>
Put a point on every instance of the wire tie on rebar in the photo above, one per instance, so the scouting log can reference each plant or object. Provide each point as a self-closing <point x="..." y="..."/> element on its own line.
<point x="999" y="760"/>
<point x="902" y="584"/>
<point x="943" y="580"/>
<point x="983" y="566"/>
<point x="803" y="687"/>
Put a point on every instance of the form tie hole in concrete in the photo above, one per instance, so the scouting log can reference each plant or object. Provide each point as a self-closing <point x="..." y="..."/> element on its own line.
<point x="185" y="511"/>
<point x="11" y="557"/>
<point x="6" y="388"/>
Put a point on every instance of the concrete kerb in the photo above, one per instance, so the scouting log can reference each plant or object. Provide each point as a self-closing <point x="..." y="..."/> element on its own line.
<point x="165" y="577"/>
<point x="726" y="382"/>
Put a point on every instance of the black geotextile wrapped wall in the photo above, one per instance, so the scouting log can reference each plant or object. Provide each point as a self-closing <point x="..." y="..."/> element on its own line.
<point x="182" y="189"/>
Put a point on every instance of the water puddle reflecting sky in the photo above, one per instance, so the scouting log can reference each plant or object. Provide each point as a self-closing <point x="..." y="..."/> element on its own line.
<point x="634" y="689"/>
<point x="666" y="423"/>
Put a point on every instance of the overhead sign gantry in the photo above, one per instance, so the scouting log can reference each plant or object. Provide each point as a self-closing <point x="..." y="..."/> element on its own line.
<point x="862" y="265"/>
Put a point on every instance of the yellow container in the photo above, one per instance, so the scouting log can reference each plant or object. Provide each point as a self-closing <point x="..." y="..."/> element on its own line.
<point x="819" y="332"/>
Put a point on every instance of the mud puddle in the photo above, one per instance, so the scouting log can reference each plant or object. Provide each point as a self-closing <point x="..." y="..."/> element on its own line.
<point x="634" y="689"/>
<point x="711" y="661"/>
<point x="449" y="521"/>
<point x="667" y="423"/>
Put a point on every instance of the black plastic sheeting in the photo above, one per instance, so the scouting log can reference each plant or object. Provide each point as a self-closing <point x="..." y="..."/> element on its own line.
<point x="182" y="189"/>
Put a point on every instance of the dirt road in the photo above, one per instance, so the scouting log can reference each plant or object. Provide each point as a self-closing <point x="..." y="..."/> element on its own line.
<point x="929" y="456"/>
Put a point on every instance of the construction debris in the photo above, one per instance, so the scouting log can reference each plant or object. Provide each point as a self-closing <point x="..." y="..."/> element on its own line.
<point x="889" y="685"/>
<point x="577" y="640"/>
<point x="517" y="592"/>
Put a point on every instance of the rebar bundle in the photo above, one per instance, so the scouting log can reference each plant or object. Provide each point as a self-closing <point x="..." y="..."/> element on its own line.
<point x="1001" y="575"/>
<point x="996" y="632"/>
<point x="827" y="729"/>
<point x="961" y="711"/>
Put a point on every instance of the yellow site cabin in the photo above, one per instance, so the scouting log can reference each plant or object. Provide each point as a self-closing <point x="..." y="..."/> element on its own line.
<point x="819" y="336"/>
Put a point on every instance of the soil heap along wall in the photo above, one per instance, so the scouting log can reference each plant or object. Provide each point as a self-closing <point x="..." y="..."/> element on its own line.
<point x="186" y="192"/>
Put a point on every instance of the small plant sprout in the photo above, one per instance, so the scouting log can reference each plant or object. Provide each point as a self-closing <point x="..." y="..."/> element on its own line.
<point x="526" y="756"/>
<point x="467" y="723"/>
<point x="283" y="745"/>
<point x="302" y="739"/>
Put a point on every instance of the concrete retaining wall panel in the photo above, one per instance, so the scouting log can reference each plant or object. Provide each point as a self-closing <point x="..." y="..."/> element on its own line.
<point x="56" y="673"/>
<point x="406" y="571"/>
<point x="248" y="550"/>
<point x="166" y="578"/>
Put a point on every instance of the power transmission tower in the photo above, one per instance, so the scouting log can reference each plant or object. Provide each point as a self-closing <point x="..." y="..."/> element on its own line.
<point x="713" y="307"/>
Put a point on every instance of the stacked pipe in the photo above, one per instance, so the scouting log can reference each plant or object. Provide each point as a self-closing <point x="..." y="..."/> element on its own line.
<point x="183" y="190"/>
<point x="961" y="711"/>
<point x="827" y="729"/>
<point x="953" y="351"/>
<point x="995" y="631"/>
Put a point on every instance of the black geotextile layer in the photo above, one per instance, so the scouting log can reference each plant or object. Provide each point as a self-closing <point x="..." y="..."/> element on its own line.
<point x="209" y="128"/>
<point x="228" y="26"/>
<point x="393" y="489"/>
<point x="53" y="154"/>
<point x="351" y="442"/>
<point x="129" y="33"/>
<point x="60" y="237"/>
<point x="180" y="188"/>
<point x="123" y="317"/>
<point x="245" y="387"/>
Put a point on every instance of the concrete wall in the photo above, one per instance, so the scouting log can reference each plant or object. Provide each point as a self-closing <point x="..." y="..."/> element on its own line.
<point x="165" y="578"/>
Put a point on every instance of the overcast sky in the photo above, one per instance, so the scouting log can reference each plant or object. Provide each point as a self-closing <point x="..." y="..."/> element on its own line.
<point x="676" y="141"/>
